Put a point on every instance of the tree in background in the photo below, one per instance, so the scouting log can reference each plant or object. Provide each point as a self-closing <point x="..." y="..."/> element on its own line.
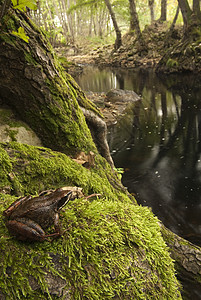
<point x="134" y="23"/>
<point x="118" y="41"/>
<point x="151" y="7"/>
<point x="190" y="16"/>
<point x="163" y="16"/>
<point x="185" y="54"/>
<point x="67" y="21"/>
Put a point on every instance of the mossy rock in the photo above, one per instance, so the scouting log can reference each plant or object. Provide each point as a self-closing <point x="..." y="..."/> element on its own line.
<point x="13" y="129"/>
<point x="112" y="248"/>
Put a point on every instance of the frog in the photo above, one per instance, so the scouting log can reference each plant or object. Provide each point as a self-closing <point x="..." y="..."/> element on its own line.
<point x="28" y="217"/>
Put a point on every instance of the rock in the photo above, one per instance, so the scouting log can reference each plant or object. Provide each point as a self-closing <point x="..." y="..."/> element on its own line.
<point x="114" y="104"/>
<point x="12" y="129"/>
<point x="118" y="95"/>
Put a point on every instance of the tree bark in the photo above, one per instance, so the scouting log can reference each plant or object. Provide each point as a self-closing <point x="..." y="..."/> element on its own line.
<point x="196" y="8"/>
<point x="31" y="78"/>
<point x="175" y="19"/>
<point x="134" y="23"/>
<point x="163" y="16"/>
<point x="186" y="255"/>
<point x="151" y="7"/>
<point x="186" y="11"/>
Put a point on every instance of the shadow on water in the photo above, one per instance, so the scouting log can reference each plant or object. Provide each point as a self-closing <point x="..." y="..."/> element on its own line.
<point x="158" y="143"/>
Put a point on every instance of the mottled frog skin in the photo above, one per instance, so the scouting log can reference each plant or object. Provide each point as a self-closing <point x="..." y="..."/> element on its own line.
<point x="28" y="217"/>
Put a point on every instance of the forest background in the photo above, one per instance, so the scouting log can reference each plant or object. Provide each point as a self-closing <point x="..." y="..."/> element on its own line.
<point x="162" y="34"/>
<point x="68" y="22"/>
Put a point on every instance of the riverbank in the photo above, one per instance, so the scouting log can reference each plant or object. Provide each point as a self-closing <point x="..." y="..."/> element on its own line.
<point x="166" y="50"/>
<point x="158" y="39"/>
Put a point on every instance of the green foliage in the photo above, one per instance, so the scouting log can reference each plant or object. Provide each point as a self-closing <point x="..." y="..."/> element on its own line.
<point x="23" y="4"/>
<point x="21" y="34"/>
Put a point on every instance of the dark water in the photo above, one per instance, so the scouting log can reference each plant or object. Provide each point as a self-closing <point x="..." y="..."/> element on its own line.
<point x="158" y="143"/>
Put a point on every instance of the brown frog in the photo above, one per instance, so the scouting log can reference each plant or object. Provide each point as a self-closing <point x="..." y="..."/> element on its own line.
<point x="28" y="217"/>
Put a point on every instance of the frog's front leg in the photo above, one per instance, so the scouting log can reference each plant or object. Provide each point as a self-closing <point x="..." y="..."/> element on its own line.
<point x="26" y="229"/>
<point x="57" y="225"/>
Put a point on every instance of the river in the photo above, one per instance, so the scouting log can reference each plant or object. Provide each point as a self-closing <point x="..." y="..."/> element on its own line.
<point x="158" y="144"/>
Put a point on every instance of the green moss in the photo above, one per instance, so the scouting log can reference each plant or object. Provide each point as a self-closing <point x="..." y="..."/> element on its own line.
<point x="5" y="169"/>
<point x="29" y="58"/>
<point x="7" y="38"/>
<point x="10" y="21"/>
<point x="12" y="134"/>
<point x="172" y="63"/>
<point x="37" y="168"/>
<point x="111" y="248"/>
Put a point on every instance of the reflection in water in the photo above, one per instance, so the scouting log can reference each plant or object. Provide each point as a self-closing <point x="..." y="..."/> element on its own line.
<point x="161" y="158"/>
<point x="158" y="143"/>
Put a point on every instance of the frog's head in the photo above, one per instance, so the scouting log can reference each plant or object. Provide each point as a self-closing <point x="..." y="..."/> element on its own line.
<point x="68" y="193"/>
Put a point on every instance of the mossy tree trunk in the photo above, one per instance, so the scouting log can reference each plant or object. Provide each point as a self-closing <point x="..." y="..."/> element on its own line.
<point x="186" y="11"/>
<point x="33" y="83"/>
<point x="112" y="245"/>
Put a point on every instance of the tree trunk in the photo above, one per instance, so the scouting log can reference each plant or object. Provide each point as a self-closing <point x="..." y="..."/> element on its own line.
<point x="134" y="23"/>
<point x="49" y="95"/>
<point x="186" y="11"/>
<point x="163" y="16"/>
<point x="151" y="7"/>
<point x="118" y="41"/>
<point x="175" y="19"/>
<point x="196" y="8"/>
<point x="186" y="255"/>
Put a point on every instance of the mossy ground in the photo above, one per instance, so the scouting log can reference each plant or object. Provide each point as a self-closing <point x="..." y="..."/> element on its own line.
<point x="112" y="249"/>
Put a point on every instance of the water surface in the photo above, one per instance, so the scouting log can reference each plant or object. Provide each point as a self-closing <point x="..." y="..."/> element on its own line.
<point x="158" y="143"/>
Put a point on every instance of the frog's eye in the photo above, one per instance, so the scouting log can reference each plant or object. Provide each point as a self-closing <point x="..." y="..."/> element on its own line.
<point x="63" y="201"/>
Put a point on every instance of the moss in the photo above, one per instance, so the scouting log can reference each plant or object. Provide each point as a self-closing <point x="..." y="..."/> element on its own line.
<point x="29" y="59"/>
<point x="5" y="169"/>
<point x="33" y="169"/>
<point x="171" y="63"/>
<point x="12" y="134"/>
<point x="7" y="38"/>
<point x="111" y="249"/>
